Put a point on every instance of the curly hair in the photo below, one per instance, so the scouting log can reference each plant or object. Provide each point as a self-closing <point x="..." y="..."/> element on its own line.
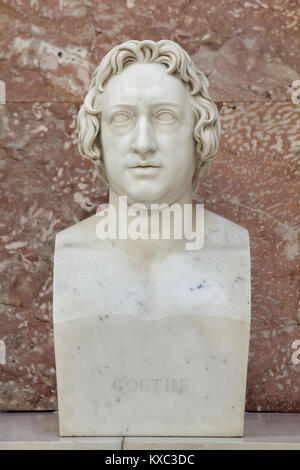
<point x="178" y="63"/>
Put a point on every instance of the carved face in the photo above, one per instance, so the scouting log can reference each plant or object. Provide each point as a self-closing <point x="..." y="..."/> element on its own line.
<point x="147" y="130"/>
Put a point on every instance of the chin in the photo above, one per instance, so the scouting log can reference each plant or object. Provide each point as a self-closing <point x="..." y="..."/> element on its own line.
<point x="146" y="197"/>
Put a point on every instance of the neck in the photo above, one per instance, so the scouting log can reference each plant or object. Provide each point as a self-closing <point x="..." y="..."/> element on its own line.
<point x="145" y="239"/>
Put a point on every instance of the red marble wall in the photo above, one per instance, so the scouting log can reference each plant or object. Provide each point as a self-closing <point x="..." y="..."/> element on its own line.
<point x="250" y="52"/>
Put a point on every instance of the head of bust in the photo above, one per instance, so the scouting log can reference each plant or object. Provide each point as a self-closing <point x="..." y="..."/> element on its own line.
<point x="147" y="122"/>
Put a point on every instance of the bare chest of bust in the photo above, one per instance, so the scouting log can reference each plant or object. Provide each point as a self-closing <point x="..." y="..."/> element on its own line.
<point x="103" y="281"/>
<point x="95" y="278"/>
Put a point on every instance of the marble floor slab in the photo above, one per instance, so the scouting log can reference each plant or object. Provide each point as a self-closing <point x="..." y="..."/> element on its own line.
<point x="39" y="430"/>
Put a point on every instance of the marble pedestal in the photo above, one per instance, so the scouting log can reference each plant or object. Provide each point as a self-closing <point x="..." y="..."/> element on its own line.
<point x="138" y="358"/>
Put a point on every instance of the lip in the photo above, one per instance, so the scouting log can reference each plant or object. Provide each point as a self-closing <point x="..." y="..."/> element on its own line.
<point x="144" y="165"/>
<point x="145" y="170"/>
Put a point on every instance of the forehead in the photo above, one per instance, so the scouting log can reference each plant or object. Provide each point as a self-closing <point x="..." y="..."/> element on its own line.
<point x="148" y="82"/>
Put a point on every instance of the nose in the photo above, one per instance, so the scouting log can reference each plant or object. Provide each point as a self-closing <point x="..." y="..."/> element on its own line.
<point x="144" y="138"/>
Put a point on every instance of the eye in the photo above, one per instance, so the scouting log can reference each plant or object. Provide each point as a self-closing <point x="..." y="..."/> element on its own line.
<point x="165" y="116"/>
<point x="121" y="118"/>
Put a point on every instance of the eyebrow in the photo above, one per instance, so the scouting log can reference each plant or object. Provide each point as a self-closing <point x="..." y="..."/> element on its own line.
<point x="155" y="105"/>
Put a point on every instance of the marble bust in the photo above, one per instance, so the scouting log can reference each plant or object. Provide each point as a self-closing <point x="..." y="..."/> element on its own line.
<point x="151" y="338"/>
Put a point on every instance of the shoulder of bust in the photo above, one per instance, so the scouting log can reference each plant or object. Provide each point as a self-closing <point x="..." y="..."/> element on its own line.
<point x="219" y="231"/>
<point x="81" y="233"/>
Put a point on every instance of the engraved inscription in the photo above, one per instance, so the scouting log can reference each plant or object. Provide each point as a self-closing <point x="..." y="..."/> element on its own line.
<point x="151" y="385"/>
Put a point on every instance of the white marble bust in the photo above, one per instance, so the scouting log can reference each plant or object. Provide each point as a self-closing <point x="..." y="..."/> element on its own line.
<point x="151" y="338"/>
